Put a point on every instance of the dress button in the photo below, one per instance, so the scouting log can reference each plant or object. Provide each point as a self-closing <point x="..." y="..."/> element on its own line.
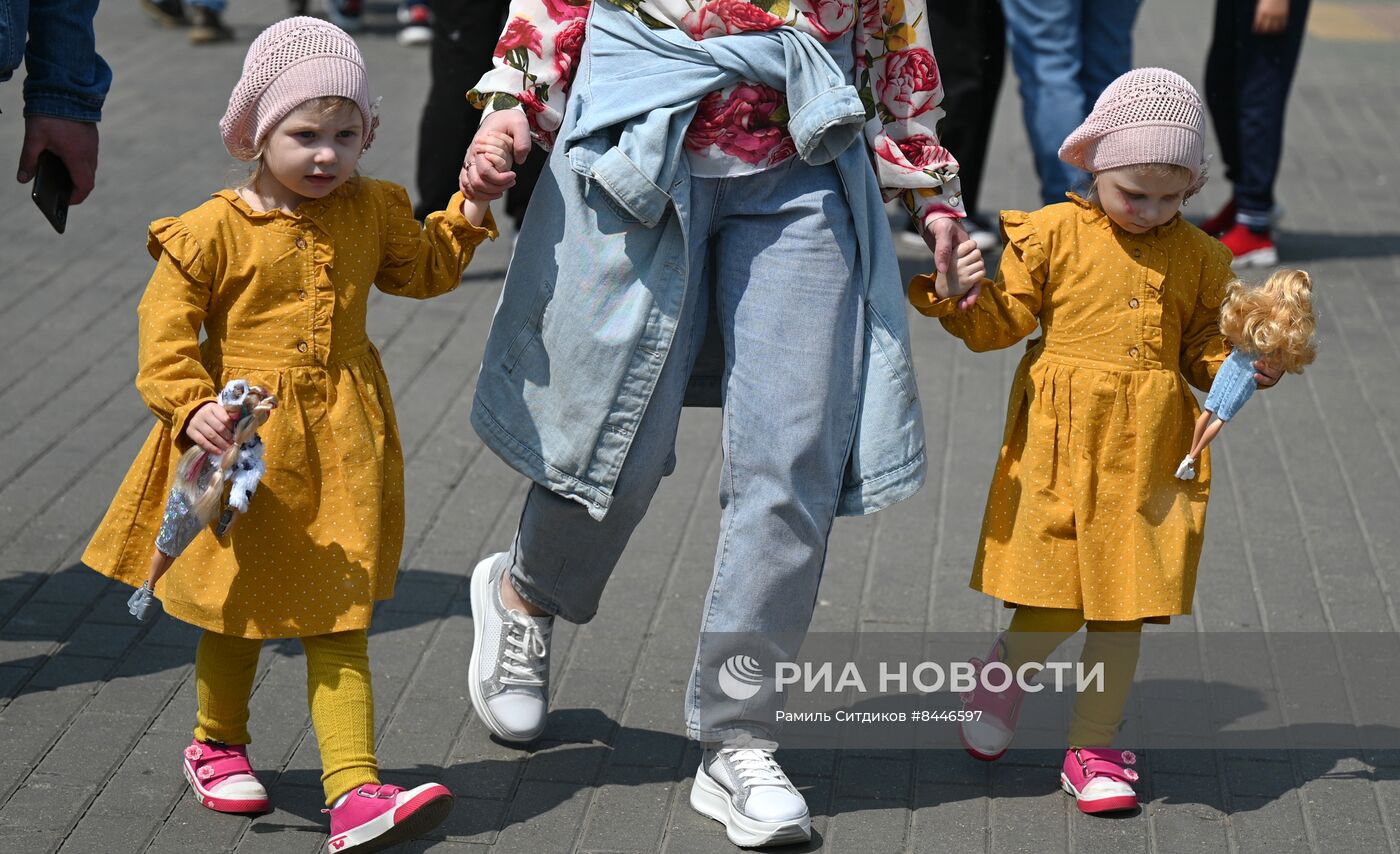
<point x="1133" y="303"/>
<point x="301" y="347"/>
<point x="301" y="242"/>
<point x="1131" y="352"/>
<point x="1137" y="253"/>
<point x="301" y="294"/>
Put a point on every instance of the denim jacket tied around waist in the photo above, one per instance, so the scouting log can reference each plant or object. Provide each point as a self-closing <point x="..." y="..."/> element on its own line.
<point x="593" y="296"/>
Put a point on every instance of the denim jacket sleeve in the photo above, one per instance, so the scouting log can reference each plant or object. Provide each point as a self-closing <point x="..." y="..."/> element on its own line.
<point x="65" y="76"/>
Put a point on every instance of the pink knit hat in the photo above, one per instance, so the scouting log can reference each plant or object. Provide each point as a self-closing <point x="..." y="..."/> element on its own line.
<point x="1149" y="115"/>
<point x="288" y="64"/>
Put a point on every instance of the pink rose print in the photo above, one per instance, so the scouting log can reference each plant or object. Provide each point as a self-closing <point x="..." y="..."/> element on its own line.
<point x="740" y="125"/>
<point x="870" y="11"/>
<point x="530" y="101"/>
<point x="909" y="84"/>
<point x="568" y="46"/>
<point x="520" y="33"/>
<point x="727" y="17"/>
<point x="566" y="10"/>
<point x="912" y="154"/>
<point x="830" y="18"/>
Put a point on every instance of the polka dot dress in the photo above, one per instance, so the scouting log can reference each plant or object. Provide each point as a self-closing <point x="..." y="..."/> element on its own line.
<point x="1084" y="511"/>
<point x="281" y="300"/>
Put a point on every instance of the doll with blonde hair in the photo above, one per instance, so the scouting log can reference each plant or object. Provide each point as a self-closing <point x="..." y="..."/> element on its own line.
<point x="1272" y="322"/>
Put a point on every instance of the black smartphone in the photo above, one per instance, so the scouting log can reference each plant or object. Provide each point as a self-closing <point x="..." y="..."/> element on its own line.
<point x="53" y="187"/>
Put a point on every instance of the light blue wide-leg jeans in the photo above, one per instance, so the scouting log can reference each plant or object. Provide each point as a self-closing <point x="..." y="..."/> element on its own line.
<point x="775" y="254"/>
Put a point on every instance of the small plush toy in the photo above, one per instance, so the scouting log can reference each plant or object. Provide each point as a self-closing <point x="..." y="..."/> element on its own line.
<point x="1272" y="322"/>
<point x="198" y="490"/>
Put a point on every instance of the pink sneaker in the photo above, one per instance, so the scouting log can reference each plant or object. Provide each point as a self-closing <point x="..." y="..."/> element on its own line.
<point x="988" y="737"/>
<point x="1099" y="780"/>
<point x="222" y="778"/>
<point x="374" y="817"/>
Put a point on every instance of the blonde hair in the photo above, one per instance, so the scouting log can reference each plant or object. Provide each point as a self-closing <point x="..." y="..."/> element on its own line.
<point x="322" y="109"/>
<point x="1274" y="319"/>
<point x="1145" y="170"/>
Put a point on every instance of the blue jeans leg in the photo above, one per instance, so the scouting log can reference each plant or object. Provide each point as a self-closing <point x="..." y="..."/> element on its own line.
<point x="790" y="309"/>
<point x="1047" y="52"/>
<point x="1107" y="27"/>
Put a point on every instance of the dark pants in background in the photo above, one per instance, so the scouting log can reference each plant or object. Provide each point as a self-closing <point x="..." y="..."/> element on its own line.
<point x="969" y="39"/>
<point x="1247" y="81"/>
<point x="464" y="36"/>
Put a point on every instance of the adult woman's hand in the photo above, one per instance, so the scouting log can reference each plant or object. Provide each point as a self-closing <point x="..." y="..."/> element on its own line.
<point x="480" y="178"/>
<point x="945" y="237"/>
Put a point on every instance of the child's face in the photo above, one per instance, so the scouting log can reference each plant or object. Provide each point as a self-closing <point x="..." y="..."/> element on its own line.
<point x="1139" y="201"/>
<point x="310" y="153"/>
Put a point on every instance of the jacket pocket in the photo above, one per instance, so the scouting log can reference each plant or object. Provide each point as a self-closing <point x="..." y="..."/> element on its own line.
<point x="529" y="331"/>
<point x="885" y="347"/>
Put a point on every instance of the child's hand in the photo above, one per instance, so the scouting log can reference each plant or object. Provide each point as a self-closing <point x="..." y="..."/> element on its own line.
<point x="479" y="178"/>
<point x="963" y="277"/>
<point x="494" y="149"/>
<point x="1266" y="375"/>
<point x="211" y="428"/>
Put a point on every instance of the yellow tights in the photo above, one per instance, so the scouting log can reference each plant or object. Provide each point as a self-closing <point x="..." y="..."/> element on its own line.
<point x="337" y="689"/>
<point x="1037" y="632"/>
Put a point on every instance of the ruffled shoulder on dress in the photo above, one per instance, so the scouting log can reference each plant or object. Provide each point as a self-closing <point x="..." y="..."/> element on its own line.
<point x="1022" y="234"/>
<point x="172" y="236"/>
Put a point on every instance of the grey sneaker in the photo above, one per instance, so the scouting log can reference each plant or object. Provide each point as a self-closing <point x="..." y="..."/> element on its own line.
<point x="747" y="791"/>
<point x="509" y="672"/>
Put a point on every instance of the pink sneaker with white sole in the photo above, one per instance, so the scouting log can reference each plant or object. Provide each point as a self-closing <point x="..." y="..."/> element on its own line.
<point x="222" y="778"/>
<point x="1099" y="779"/>
<point x="374" y="817"/>
<point x="987" y="737"/>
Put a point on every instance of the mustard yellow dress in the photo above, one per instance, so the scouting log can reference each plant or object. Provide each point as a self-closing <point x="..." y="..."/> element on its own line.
<point x="281" y="301"/>
<point x="1084" y="510"/>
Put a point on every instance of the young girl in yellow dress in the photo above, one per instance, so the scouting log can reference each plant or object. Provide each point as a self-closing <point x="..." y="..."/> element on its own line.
<point x="277" y="274"/>
<point x="1086" y="522"/>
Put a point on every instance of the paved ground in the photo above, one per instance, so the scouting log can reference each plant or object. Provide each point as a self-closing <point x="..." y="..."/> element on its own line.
<point x="94" y="709"/>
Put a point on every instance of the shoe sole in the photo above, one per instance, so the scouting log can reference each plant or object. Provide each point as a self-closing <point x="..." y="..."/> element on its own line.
<point x="1117" y="803"/>
<point x="422" y="813"/>
<point x="977" y="754"/>
<point x="710" y="799"/>
<point x="481" y="590"/>
<point x="160" y="16"/>
<point x="1257" y="258"/>
<point x="235" y="806"/>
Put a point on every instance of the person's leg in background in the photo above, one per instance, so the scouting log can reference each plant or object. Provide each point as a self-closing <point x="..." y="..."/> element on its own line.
<point x="415" y="23"/>
<point x="1223" y="98"/>
<point x="207" y="24"/>
<point x="969" y="40"/>
<point x="465" y="33"/>
<point x="1267" y="65"/>
<point x="1047" y="53"/>
<point x="1107" y="27"/>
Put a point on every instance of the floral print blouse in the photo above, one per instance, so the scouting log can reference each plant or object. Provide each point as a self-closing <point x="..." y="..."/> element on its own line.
<point x="743" y="128"/>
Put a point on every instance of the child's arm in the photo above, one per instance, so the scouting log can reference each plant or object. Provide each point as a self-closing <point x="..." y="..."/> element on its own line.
<point x="428" y="260"/>
<point x="171" y="376"/>
<point x="1203" y="348"/>
<point x="1005" y="311"/>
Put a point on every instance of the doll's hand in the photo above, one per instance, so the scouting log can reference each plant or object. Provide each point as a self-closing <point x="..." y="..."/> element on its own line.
<point x="211" y="428"/>
<point x="1266" y="375"/>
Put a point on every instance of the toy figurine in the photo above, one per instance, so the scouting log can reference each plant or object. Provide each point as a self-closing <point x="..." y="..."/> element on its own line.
<point x="1272" y="322"/>
<point x="198" y="490"/>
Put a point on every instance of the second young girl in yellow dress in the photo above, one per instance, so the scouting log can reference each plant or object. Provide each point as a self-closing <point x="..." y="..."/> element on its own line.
<point x="276" y="275"/>
<point x="1086" y="522"/>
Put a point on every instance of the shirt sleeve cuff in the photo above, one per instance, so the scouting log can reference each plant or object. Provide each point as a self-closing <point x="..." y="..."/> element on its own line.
<point x="926" y="301"/>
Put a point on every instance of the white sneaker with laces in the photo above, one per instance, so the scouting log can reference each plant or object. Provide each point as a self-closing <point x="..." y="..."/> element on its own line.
<point x="747" y="791"/>
<point x="509" y="672"/>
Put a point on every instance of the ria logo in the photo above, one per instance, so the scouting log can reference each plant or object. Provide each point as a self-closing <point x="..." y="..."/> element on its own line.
<point x="740" y="677"/>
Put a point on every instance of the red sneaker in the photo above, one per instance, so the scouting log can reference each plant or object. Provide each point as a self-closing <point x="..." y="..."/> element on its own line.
<point x="988" y="735"/>
<point x="374" y="817"/>
<point x="1223" y="220"/>
<point x="222" y="778"/>
<point x="1100" y="779"/>
<point x="1251" y="248"/>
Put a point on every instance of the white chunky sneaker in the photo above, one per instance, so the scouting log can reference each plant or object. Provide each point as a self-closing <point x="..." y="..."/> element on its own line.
<point x="509" y="671"/>
<point x="747" y="791"/>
